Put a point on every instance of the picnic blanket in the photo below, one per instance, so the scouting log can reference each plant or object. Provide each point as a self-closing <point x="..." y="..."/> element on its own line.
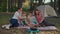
<point x="27" y="27"/>
<point x="41" y="28"/>
<point x="47" y="28"/>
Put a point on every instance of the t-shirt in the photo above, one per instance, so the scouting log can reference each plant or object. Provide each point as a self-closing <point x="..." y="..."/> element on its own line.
<point x="17" y="14"/>
<point x="32" y="19"/>
<point x="23" y="20"/>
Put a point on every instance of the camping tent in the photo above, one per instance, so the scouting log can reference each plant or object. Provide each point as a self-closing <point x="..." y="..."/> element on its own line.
<point x="47" y="10"/>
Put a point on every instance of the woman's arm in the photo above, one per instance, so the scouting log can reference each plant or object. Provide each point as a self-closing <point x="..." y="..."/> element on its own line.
<point x="42" y="18"/>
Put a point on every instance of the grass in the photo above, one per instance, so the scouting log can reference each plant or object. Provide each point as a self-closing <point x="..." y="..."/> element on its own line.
<point x="4" y="19"/>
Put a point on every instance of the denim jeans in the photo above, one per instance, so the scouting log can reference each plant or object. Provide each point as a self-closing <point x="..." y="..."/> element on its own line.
<point x="14" y="23"/>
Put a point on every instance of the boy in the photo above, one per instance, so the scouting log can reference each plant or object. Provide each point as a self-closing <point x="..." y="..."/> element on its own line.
<point x="32" y="20"/>
<point x="24" y="18"/>
<point x="23" y="23"/>
<point x="32" y="23"/>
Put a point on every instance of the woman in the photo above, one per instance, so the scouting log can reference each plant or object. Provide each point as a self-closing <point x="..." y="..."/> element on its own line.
<point x="16" y="18"/>
<point x="40" y="18"/>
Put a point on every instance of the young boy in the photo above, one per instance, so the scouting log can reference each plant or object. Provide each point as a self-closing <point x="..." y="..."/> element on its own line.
<point x="32" y="20"/>
<point x="23" y="23"/>
<point x="24" y="18"/>
<point x="32" y="23"/>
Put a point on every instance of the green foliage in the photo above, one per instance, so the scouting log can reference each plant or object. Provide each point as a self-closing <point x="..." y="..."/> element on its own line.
<point x="3" y="6"/>
<point x="25" y="9"/>
<point x="12" y="9"/>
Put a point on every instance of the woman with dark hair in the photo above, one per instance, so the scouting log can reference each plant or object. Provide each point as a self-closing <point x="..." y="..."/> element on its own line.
<point x="15" y="20"/>
<point x="40" y="18"/>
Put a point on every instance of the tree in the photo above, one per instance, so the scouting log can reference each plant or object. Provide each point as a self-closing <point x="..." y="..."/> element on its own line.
<point x="40" y="1"/>
<point x="20" y="3"/>
<point x="59" y="5"/>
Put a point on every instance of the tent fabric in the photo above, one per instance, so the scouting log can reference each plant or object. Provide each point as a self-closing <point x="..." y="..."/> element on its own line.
<point x="47" y="10"/>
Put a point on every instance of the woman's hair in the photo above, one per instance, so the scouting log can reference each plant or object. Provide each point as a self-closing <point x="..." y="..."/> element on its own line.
<point x="35" y="11"/>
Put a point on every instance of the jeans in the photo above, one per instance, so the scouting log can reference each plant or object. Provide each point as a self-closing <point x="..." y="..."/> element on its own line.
<point x="14" y="23"/>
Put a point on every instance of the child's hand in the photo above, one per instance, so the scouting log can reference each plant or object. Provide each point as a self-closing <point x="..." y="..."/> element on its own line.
<point x="37" y="24"/>
<point x="24" y="17"/>
<point x="31" y="25"/>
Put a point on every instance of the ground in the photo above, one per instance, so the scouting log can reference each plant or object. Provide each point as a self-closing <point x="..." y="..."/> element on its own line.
<point x="4" y="19"/>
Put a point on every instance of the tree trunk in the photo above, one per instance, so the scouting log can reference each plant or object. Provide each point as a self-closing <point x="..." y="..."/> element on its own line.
<point x="40" y="2"/>
<point x="20" y="3"/>
<point x="59" y="5"/>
